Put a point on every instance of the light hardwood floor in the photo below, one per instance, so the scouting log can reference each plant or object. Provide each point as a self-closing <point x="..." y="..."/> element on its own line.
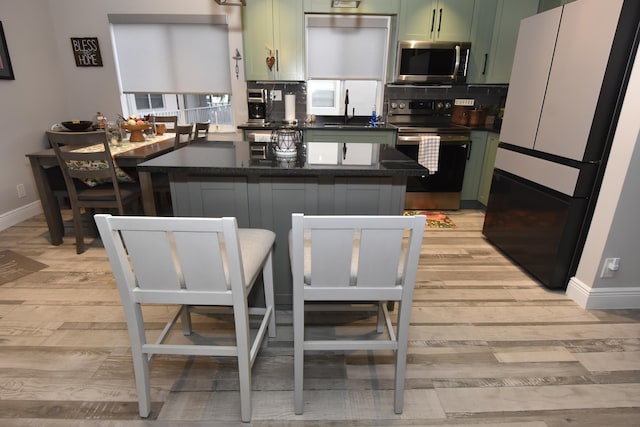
<point x="488" y="346"/>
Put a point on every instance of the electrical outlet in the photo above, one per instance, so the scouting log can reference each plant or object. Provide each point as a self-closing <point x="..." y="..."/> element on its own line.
<point x="465" y="102"/>
<point x="276" y="95"/>
<point x="21" y="191"/>
<point x="610" y="267"/>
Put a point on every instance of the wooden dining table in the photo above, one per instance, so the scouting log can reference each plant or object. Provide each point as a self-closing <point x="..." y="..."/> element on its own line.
<point x="43" y="161"/>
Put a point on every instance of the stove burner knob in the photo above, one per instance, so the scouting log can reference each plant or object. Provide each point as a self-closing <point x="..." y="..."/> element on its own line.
<point x="439" y="105"/>
<point x="447" y="105"/>
<point x="394" y="105"/>
<point x="402" y="106"/>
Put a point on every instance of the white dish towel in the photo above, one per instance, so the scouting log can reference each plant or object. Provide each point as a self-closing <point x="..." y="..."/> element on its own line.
<point x="428" y="152"/>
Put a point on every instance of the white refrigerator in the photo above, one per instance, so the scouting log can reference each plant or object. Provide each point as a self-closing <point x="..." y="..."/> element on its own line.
<point x="567" y="83"/>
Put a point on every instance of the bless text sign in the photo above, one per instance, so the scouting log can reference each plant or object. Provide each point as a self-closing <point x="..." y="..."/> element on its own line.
<point x="86" y="51"/>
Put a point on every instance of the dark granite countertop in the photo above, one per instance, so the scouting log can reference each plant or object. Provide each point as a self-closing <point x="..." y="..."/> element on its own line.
<point x="354" y="124"/>
<point x="322" y="122"/>
<point x="234" y="159"/>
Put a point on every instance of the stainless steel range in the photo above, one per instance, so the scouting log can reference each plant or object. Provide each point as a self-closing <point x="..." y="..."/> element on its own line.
<point x="416" y="119"/>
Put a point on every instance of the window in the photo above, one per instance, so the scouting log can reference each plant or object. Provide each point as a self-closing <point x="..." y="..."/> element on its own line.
<point x="359" y="46"/>
<point x="149" y="101"/>
<point x="356" y="61"/>
<point x="174" y="65"/>
<point x="326" y="97"/>
<point x="190" y="108"/>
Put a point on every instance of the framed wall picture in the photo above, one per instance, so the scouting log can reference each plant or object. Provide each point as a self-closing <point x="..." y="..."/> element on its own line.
<point x="86" y="51"/>
<point x="6" y="72"/>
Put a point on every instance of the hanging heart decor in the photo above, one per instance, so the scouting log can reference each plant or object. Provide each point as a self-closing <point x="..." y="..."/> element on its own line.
<point x="270" y="61"/>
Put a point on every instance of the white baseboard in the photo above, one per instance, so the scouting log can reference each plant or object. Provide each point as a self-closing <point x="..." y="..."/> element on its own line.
<point x="603" y="298"/>
<point x="16" y="216"/>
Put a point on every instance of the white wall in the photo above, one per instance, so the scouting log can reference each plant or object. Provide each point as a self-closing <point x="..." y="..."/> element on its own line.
<point x="615" y="229"/>
<point x="30" y="103"/>
<point x="49" y="88"/>
<point x="78" y="18"/>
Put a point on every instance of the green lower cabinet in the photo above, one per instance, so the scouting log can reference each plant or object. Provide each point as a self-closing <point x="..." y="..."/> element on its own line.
<point x="473" y="169"/>
<point x="268" y="202"/>
<point x="378" y="136"/>
<point x="493" y="139"/>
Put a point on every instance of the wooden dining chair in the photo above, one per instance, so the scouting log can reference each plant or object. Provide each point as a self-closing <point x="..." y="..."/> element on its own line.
<point x="90" y="176"/>
<point x="189" y="262"/>
<point x="183" y="135"/>
<point x="201" y="131"/>
<point x="171" y="122"/>
<point x="354" y="259"/>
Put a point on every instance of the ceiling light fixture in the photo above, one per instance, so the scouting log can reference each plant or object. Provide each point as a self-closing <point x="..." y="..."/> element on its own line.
<point x="232" y="2"/>
<point x="342" y="3"/>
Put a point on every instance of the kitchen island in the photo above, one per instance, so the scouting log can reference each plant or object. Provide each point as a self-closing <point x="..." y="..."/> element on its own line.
<point x="214" y="179"/>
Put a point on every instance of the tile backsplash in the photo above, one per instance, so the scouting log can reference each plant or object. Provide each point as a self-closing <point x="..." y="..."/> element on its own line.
<point x="484" y="95"/>
<point x="275" y="109"/>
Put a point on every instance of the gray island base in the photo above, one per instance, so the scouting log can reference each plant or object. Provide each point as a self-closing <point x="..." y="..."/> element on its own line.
<point x="220" y="179"/>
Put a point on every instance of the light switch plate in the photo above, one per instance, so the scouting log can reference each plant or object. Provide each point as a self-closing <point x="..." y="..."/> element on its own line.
<point x="276" y="95"/>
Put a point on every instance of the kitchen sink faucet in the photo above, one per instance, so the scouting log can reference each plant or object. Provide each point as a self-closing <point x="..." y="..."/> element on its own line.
<point x="346" y="108"/>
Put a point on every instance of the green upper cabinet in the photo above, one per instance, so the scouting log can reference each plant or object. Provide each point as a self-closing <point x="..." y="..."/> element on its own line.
<point x="481" y="34"/>
<point x="273" y="28"/>
<point x="550" y="4"/>
<point x="389" y="7"/>
<point x="492" y="58"/>
<point x="505" y="34"/>
<point x="437" y="20"/>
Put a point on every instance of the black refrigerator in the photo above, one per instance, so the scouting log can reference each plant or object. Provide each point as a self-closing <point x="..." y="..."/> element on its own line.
<point x="568" y="81"/>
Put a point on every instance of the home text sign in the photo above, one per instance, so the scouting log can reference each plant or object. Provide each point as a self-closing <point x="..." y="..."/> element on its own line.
<point x="86" y="50"/>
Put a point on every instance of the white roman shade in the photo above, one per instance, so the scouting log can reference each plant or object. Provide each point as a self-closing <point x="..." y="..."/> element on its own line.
<point x="347" y="47"/>
<point x="156" y="55"/>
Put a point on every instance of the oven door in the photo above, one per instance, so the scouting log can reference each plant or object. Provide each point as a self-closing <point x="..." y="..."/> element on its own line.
<point x="452" y="160"/>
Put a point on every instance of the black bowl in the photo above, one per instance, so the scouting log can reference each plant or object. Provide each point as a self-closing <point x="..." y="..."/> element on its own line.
<point x="78" y="125"/>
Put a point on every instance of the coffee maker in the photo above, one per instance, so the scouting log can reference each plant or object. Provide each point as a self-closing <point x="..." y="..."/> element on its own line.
<point x="257" y="103"/>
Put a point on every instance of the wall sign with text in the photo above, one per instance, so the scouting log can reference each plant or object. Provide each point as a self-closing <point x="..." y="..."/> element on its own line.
<point x="86" y="51"/>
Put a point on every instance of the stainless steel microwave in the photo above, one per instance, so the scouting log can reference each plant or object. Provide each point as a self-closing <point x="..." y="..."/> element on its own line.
<point x="432" y="62"/>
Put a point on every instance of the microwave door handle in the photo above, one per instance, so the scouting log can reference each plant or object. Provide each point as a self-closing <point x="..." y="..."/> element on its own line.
<point x="457" y="66"/>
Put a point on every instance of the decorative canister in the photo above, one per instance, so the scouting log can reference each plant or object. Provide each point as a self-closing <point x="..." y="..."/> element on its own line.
<point x="477" y="117"/>
<point x="285" y="142"/>
<point x="460" y="115"/>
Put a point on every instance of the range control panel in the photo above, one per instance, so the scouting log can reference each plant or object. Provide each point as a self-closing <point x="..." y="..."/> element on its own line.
<point x="428" y="107"/>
